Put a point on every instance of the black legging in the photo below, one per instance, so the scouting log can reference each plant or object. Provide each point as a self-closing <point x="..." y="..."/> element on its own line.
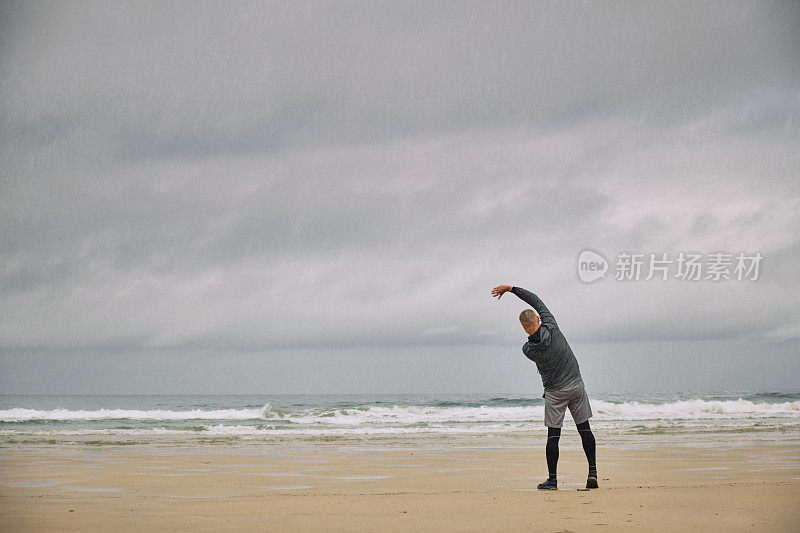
<point x="553" y="436"/>
<point x="587" y="438"/>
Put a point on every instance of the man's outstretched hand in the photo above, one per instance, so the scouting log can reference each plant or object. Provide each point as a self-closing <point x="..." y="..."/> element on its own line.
<point x="500" y="290"/>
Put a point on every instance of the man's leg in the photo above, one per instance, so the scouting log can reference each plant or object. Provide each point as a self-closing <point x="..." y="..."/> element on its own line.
<point x="587" y="438"/>
<point x="581" y="409"/>
<point x="551" y="451"/>
<point x="555" y="405"/>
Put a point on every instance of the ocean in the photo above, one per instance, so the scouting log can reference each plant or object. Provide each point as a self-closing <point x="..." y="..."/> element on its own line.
<point x="346" y="417"/>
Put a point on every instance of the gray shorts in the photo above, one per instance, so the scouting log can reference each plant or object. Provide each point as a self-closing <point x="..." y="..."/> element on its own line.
<point x="573" y="396"/>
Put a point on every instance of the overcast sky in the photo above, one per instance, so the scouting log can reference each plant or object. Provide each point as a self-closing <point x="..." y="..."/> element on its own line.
<point x="220" y="197"/>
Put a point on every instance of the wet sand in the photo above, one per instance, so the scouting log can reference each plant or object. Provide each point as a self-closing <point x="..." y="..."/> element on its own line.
<point x="731" y="484"/>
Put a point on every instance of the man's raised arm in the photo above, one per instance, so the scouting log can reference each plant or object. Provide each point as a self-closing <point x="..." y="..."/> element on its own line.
<point x="531" y="299"/>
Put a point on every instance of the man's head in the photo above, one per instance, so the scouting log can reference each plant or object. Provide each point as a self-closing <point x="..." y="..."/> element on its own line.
<point x="530" y="321"/>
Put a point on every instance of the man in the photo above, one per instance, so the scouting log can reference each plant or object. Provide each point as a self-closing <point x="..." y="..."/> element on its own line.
<point x="561" y="377"/>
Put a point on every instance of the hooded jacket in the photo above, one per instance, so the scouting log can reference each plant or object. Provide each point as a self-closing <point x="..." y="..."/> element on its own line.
<point x="548" y="347"/>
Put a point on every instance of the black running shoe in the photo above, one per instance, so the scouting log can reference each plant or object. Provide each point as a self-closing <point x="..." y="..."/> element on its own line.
<point x="591" y="482"/>
<point x="550" y="484"/>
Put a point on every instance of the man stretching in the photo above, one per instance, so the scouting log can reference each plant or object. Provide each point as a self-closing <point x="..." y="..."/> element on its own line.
<point x="561" y="377"/>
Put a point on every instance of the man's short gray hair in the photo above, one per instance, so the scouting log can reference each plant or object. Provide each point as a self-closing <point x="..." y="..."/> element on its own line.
<point x="528" y="318"/>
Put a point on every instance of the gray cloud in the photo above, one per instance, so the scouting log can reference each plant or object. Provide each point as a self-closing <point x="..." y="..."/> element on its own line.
<point x="270" y="74"/>
<point x="270" y="176"/>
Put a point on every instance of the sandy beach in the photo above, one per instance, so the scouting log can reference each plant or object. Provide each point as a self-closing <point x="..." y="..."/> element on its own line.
<point x="711" y="484"/>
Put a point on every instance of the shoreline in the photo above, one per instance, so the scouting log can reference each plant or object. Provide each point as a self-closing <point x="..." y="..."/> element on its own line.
<point x="619" y="436"/>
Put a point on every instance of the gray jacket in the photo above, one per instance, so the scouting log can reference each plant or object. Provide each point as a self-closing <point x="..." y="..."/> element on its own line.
<point x="548" y="348"/>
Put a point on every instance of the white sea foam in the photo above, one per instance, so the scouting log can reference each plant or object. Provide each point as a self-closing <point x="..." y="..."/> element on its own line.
<point x="694" y="409"/>
<point x="24" y="415"/>
<point x="686" y="410"/>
